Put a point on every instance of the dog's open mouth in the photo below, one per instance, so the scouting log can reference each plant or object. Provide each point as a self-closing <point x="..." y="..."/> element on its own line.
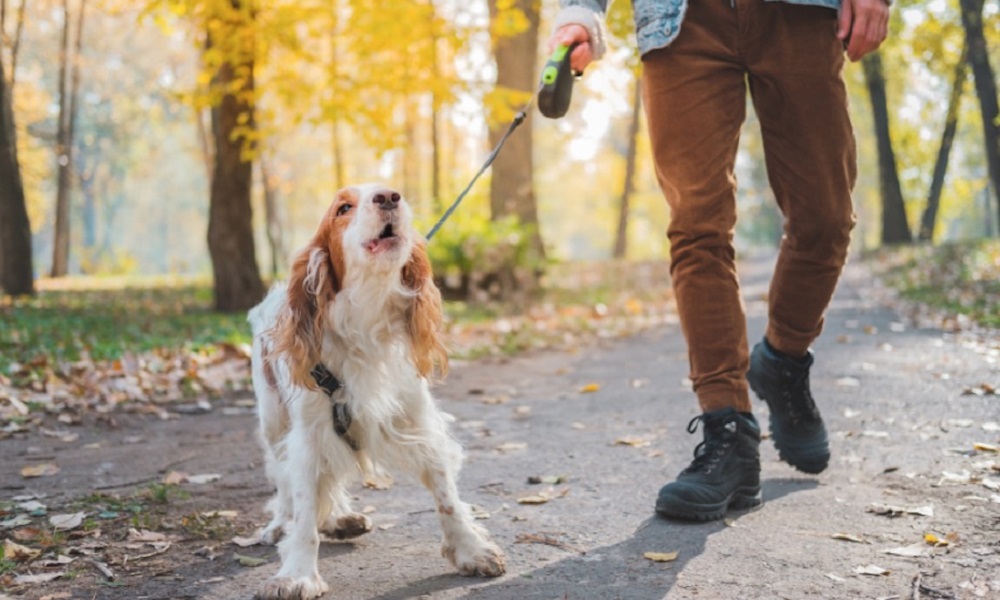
<point x="387" y="238"/>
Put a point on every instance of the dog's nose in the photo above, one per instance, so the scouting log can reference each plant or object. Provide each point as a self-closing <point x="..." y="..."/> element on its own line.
<point x="386" y="199"/>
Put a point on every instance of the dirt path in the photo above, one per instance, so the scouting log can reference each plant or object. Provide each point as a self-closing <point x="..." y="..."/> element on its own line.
<point x="892" y="397"/>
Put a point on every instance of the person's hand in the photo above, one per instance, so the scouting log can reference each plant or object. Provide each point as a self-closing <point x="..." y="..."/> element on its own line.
<point x="575" y="34"/>
<point x="863" y="26"/>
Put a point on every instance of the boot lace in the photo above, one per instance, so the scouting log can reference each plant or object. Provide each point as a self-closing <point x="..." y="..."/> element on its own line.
<point x="712" y="449"/>
<point x="798" y="398"/>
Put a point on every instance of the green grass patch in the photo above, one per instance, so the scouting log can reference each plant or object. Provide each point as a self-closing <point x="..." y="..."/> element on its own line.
<point x="957" y="278"/>
<point x="105" y="323"/>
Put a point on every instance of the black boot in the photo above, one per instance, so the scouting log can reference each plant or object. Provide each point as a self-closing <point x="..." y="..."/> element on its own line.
<point x="725" y="472"/>
<point x="796" y="425"/>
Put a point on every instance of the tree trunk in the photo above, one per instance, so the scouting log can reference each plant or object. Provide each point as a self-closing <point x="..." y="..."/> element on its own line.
<point x="986" y="88"/>
<point x="64" y="159"/>
<point x="205" y="144"/>
<point x="895" y="228"/>
<point x="238" y="285"/>
<point x="628" y="188"/>
<point x="929" y="218"/>
<point x="512" y="190"/>
<point x="16" y="272"/>
<point x="273" y="228"/>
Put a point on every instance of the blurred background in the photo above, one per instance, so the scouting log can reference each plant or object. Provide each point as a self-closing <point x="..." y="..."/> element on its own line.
<point x="171" y="143"/>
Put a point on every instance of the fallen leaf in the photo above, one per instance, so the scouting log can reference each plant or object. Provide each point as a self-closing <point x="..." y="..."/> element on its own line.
<point x="849" y="538"/>
<point x="378" y="481"/>
<point x="144" y="535"/>
<point x="870" y="570"/>
<point x="911" y="551"/>
<point x="68" y="521"/>
<point x="511" y="446"/>
<point x="633" y="441"/>
<point x="244" y="542"/>
<point x="57" y="596"/>
<point x="661" y="556"/>
<point x="249" y="561"/>
<point x="534" y="499"/>
<point x="590" y="387"/>
<point x="225" y="514"/>
<point x="40" y="470"/>
<point x="175" y="478"/>
<point x="547" y="479"/>
<point x="39" y="578"/>
<point x="203" y="479"/>
<point x="986" y="447"/>
<point x="935" y="541"/>
<point x="886" y="510"/>
<point x="18" y="553"/>
<point x="538" y="538"/>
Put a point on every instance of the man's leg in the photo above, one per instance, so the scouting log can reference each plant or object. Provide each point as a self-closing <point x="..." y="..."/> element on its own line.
<point x="801" y="103"/>
<point x="695" y="98"/>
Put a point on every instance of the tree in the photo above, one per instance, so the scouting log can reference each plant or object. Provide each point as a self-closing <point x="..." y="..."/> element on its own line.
<point x="16" y="264"/>
<point x="515" y="47"/>
<point x="895" y="228"/>
<point x="929" y="217"/>
<point x="986" y="87"/>
<point x="69" y="67"/>
<point x="230" y="49"/>
<point x="628" y="186"/>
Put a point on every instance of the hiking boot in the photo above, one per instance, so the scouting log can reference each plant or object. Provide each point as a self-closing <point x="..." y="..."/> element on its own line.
<point x="796" y="426"/>
<point x="724" y="474"/>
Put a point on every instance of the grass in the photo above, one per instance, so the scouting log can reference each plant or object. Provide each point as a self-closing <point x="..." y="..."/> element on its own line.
<point x="105" y="322"/>
<point x="956" y="279"/>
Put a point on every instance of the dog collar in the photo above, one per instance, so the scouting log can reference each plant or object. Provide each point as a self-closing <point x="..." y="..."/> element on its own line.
<point x="329" y="383"/>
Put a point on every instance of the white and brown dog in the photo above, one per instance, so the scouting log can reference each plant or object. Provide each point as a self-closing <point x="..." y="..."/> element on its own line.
<point x="360" y="308"/>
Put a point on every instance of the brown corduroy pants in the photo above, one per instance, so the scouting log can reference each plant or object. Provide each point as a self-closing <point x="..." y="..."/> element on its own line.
<point x="695" y="97"/>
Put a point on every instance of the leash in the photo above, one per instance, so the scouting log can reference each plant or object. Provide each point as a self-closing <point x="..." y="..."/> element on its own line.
<point x="553" y="95"/>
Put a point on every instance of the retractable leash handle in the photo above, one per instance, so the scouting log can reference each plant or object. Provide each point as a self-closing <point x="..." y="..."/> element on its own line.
<point x="556" y="89"/>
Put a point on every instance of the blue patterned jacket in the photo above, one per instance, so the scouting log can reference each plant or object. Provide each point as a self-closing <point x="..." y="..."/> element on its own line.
<point x="657" y="22"/>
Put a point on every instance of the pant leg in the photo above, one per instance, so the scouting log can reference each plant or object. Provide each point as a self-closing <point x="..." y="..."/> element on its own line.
<point x="794" y="61"/>
<point x="694" y="92"/>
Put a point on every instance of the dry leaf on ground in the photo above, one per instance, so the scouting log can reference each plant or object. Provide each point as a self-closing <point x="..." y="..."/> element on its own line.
<point x="871" y="570"/>
<point x="67" y="522"/>
<point x="849" y="538"/>
<point x="41" y="470"/>
<point x="661" y="556"/>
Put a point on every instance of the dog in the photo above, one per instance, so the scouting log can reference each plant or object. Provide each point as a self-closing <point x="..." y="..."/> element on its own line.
<point x="341" y="358"/>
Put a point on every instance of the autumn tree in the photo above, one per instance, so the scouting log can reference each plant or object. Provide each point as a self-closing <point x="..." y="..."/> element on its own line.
<point x="69" y="91"/>
<point x="16" y="264"/>
<point x="986" y="88"/>
<point x="230" y="53"/>
<point x="929" y="217"/>
<point x="895" y="229"/>
<point x="514" y="32"/>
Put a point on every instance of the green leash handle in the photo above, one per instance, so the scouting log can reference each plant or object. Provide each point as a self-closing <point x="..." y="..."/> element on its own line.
<point x="556" y="89"/>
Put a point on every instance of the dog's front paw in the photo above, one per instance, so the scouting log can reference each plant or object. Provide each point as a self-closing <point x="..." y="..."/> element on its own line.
<point x="480" y="559"/>
<point x="348" y="526"/>
<point x="291" y="588"/>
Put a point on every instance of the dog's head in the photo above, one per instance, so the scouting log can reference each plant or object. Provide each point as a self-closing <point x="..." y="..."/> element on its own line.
<point x="366" y="237"/>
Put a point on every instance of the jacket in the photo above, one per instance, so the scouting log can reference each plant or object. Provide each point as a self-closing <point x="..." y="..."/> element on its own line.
<point x="657" y="22"/>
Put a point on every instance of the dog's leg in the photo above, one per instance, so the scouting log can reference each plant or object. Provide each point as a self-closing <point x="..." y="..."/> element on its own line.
<point x="342" y="523"/>
<point x="466" y="545"/>
<point x="298" y="578"/>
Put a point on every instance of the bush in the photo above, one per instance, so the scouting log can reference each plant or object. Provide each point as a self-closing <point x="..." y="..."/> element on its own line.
<point x="478" y="260"/>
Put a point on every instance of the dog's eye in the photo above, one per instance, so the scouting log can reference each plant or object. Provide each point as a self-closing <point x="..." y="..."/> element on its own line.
<point x="343" y="209"/>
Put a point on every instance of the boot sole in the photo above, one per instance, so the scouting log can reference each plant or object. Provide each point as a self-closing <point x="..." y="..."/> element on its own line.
<point x="740" y="499"/>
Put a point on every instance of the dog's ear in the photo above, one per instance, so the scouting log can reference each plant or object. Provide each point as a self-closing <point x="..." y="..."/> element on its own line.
<point x="312" y="287"/>
<point x="425" y="317"/>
